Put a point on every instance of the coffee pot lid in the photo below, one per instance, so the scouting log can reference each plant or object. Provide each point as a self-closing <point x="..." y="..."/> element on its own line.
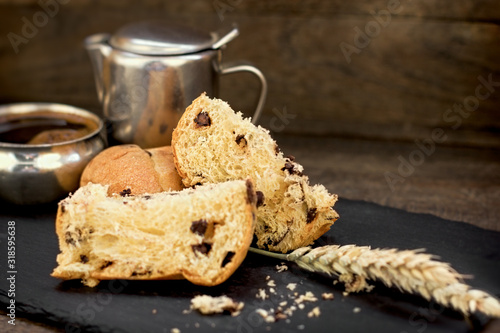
<point x="167" y="38"/>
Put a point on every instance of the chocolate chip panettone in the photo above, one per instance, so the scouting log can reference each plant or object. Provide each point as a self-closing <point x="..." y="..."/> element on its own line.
<point x="213" y="144"/>
<point x="201" y="235"/>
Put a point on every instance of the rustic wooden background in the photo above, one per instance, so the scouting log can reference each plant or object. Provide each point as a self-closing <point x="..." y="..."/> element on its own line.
<point x="393" y="86"/>
<point x="398" y="86"/>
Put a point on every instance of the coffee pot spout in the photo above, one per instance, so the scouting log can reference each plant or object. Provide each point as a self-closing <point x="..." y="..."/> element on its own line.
<point x="98" y="49"/>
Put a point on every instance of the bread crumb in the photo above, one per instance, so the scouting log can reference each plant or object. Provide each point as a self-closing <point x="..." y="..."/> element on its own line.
<point x="291" y="286"/>
<point x="262" y="294"/>
<point x="314" y="312"/>
<point x="283" y="303"/>
<point x="301" y="306"/>
<point x="326" y="296"/>
<point x="271" y="316"/>
<point x="210" y="305"/>
<point x="265" y="314"/>
<point x="272" y="290"/>
<point x="280" y="315"/>
<point x="175" y="330"/>
<point x="356" y="310"/>
<point x="154" y="311"/>
<point x="268" y="278"/>
<point x="197" y="325"/>
<point x="271" y="283"/>
<point x="290" y="310"/>
<point x="281" y="268"/>
<point x="307" y="297"/>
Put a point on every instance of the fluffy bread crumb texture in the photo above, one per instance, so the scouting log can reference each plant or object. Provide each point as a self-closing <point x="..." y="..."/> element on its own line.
<point x="201" y="235"/>
<point x="214" y="144"/>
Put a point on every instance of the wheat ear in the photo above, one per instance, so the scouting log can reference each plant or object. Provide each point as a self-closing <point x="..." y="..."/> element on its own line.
<point x="410" y="270"/>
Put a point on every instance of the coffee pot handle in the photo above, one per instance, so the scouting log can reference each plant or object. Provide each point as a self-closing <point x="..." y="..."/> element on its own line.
<point x="241" y="66"/>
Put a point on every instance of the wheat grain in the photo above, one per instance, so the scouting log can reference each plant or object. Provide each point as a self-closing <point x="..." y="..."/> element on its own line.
<point x="410" y="271"/>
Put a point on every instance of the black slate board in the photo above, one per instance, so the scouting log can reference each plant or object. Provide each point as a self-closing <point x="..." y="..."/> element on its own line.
<point x="157" y="306"/>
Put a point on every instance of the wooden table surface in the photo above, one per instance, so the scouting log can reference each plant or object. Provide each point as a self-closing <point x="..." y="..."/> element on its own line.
<point x="455" y="183"/>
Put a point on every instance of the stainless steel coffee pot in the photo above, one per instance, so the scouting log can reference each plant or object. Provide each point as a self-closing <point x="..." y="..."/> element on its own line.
<point x="147" y="73"/>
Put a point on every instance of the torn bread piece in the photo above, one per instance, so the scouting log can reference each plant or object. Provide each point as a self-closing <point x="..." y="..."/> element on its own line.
<point x="214" y="144"/>
<point x="208" y="305"/>
<point x="201" y="235"/>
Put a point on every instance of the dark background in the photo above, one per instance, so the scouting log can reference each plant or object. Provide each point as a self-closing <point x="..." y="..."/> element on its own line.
<point x="351" y="119"/>
<point x="427" y="57"/>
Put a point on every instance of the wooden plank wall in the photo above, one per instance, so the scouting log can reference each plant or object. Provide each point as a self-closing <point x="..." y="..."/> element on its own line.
<point x="379" y="70"/>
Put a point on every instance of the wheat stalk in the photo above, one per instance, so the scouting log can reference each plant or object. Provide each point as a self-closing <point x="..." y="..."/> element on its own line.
<point x="411" y="271"/>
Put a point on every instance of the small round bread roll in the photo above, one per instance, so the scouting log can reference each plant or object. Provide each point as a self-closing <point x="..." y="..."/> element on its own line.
<point x="131" y="170"/>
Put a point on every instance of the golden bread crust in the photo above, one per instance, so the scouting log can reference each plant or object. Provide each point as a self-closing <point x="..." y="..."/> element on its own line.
<point x="125" y="167"/>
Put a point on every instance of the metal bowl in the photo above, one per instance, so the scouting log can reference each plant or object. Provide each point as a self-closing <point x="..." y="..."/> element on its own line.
<point x="40" y="172"/>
